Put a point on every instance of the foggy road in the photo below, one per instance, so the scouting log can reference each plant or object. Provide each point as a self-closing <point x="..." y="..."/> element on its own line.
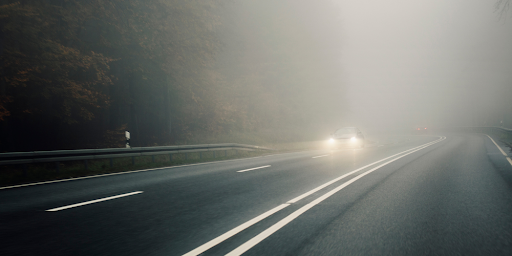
<point x="415" y="84"/>
<point x="416" y="195"/>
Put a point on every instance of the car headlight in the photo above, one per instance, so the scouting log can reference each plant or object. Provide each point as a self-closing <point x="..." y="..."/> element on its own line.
<point x="353" y="139"/>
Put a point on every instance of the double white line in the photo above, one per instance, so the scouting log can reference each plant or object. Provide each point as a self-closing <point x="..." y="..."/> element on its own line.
<point x="269" y="231"/>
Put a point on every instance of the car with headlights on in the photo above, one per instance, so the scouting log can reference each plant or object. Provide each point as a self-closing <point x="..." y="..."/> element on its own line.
<point x="350" y="137"/>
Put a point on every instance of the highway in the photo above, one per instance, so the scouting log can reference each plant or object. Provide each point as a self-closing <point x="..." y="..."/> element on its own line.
<point x="449" y="194"/>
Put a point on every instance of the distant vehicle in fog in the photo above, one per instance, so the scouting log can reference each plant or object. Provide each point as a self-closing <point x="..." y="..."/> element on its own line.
<point x="421" y="130"/>
<point x="350" y="137"/>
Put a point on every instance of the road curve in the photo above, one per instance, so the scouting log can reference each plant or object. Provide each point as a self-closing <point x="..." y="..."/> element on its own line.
<point x="419" y="195"/>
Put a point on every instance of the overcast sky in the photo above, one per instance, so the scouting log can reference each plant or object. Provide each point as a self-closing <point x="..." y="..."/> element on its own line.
<point x="426" y="62"/>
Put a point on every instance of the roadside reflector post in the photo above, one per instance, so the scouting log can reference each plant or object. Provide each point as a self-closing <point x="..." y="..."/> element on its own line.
<point x="127" y="136"/>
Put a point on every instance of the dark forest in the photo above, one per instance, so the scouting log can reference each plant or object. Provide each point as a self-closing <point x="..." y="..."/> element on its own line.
<point x="77" y="74"/>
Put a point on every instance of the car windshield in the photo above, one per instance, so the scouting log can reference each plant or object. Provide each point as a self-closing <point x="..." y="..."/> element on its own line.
<point x="346" y="130"/>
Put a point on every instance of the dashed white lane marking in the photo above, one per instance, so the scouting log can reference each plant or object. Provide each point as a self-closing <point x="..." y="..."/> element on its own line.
<point x="510" y="161"/>
<point x="256" y="168"/>
<point x="255" y="220"/>
<point x="93" y="201"/>
<point x="503" y="152"/>
<point x="269" y="231"/>
<point x="234" y="231"/>
<point x="319" y="156"/>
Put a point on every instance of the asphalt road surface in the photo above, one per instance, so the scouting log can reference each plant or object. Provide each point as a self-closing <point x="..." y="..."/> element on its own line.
<point x="413" y="195"/>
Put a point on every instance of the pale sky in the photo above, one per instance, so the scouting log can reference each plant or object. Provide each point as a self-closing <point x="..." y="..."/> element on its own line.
<point x="426" y="62"/>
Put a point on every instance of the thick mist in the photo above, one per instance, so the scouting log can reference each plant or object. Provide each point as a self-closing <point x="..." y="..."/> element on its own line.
<point x="428" y="63"/>
<point x="78" y="74"/>
<point x="281" y="65"/>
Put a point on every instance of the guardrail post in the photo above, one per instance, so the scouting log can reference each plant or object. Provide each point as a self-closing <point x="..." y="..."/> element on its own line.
<point x="170" y="157"/>
<point x="153" y="158"/>
<point x="133" y="160"/>
<point x="225" y="153"/>
<point x="213" y="154"/>
<point x="57" y="167"/>
<point x="186" y="156"/>
<point x="200" y="155"/>
<point x="111" y="162"/>
<point x="86" y="165"/>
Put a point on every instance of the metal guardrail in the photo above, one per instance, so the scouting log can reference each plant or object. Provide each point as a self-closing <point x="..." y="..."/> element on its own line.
<point x="110" y="153"/>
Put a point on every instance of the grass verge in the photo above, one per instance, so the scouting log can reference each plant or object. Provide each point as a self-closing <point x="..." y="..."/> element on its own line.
<point x="506" y="138"/>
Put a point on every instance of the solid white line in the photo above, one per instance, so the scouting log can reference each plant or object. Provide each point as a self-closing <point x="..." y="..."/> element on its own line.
<point x="261" y="236"/>
<point x="144" y="170"/>
<point x="510" y="161"/>
<point x="93" y="201"/>
<point x="350" y="173"/>
<point x="234" y="231"/>
<point x="134" y="171"/>
<point x="319" y="156"/>
<point x="256" y="168"/>
<point x="503" y="152"/>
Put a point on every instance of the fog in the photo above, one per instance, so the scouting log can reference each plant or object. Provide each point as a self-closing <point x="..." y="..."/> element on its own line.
<point x="254" y="71"/>
<point x="428" y="63"/>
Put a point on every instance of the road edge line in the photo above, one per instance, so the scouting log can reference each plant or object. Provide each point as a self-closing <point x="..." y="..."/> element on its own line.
<point x="503" y="152"/>
<point x="126" y="172"/>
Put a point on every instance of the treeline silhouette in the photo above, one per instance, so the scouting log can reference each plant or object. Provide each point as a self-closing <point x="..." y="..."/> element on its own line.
<point x="78" y="73"/>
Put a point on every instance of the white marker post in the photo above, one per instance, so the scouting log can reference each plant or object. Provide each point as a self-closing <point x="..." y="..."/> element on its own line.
<point x="127" y="135"/>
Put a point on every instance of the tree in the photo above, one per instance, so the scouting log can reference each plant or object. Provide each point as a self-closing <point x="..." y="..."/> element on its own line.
<point x="502" y="7"/>
<point x="77" y="71"/>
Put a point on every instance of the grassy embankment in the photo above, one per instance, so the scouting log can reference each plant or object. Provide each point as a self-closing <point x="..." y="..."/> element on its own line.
<point x="507" y="139"/>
